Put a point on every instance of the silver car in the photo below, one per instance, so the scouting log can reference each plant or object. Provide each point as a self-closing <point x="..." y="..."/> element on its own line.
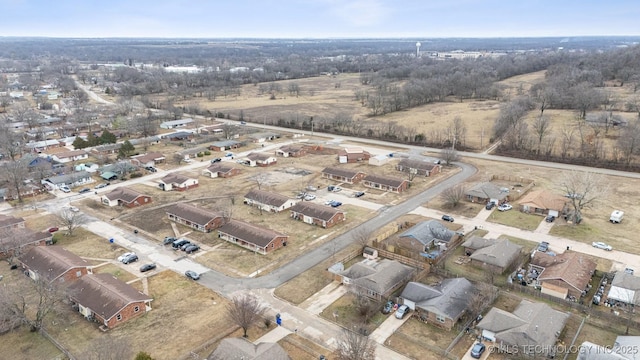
<point x="601" y="245"/>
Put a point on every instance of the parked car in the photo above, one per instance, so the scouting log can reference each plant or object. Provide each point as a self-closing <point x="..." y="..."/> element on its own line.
<point x="125" y="255"/>
<point x="74" y="209"/>
<point x="53" y="229"/>
<point x="192" y="248"/>
<point x="85" y="190"/>
<point x="65" y="189"/>
<point x="336" y="189"/>
<point x="185" y="245"/>
<point x="151" y="168"/>
<point x="229" y="155"/>
<point x="311" y="188"/>
<point x="178" y="243"/>
<point x="328" y="202"/>
<point x="402" y="311"/>
<point x="490" y="205"/>
<point x="301" y="195"/>
<point x="147" y="267"/>
<point x="601" y="245"/>
<point x="213" y="161"/>
<point x="192" y="275"/>
<point x="477" y="350"/>
<point x="505" y="207"/>
<point x="550" y="219"/>
<point x="447" y="218"/>
<point x="243" y="123"/>
<point x="187" y="160"/>
<point x="386" y="309"/>
<point x="336" y="204"/>
<point x="129" y="259"/>
<point x="359" y="194"/>
<point x="309" y="197"/>
<point x="543" y="246"/>
<point x="168" y="240"/>
<point x="100" y="186"/>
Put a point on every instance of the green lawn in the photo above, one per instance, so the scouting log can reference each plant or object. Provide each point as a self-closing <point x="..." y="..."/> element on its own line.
<point x="516" y="219"/>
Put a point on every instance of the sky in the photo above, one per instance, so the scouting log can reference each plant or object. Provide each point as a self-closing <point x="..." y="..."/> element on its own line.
<point x="318" y="18"/>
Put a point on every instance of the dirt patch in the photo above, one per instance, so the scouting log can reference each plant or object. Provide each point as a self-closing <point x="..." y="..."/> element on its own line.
<point x="420" y="340"/>
<point x="300" y="348"/>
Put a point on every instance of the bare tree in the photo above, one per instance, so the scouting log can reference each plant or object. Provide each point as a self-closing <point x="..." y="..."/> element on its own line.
<point x="108" y="348"/>
<point x="566" y="141"/>
<point x="541" y="127"/>
<point x="260" y="179"/>
<point x="10" y="142"/>
<point x="365" y="306"/>
<point x="11" y="242"/>
<point x="71" y="220"/>
<point x="245" y="310"/>
<point x="178" y="158"/>
<point x="362" y="236"/>
<point x="453" y="196"/>
<point x="458" y="132"/>
<point x="449" y="155"/>
<point x="629" y="141"/>
<point x="15" y="172"/>
<point x="583" y="189"/>
<point x="481" y="298"/>
<point x="28" y="302"/>
<point x="354" y="346"/>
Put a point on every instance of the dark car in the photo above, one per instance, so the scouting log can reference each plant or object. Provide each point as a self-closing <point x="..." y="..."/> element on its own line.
<point x="477" y="350"/>
<point x="178" y="243"/>
<point x="168" y="240"/>
<point x="543" y="246"/>
<point x="550" y="219"/>
<point x="100" y="186"/>
<point x="336" y="204"/>
<point x="129" y="259"/>
<point x="359" y="194"/>
<point x="388" y="307"/>
<point x="192" y="275"/>
<point x="213" y="161"/>
<point x="85" y="190"/>
<point x="192" y="248"/>
<point x="185" y="245"/>
<point x="53" y="229"/>
<point x="490" y="205"/>
<point x="447" y="218"/>
<point x="147" y="267"/>
<point x="151" y="168"/>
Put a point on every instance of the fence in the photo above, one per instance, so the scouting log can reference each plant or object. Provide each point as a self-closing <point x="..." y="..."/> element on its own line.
<point x="404" y="260"/>
<point x="515" y="179"/>
<point x="57" y="344"/>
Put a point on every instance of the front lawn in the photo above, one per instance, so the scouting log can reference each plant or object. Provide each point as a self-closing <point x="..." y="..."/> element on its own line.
<point x="344" y="311"/>
<point x="516" y="219"/>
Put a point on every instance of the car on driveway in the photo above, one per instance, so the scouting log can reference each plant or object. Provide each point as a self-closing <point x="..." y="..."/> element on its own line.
<point x="53" y="229"/>
<point x="185" y="245"/>
<point x="65" y="188"/>
<point x="336" y="204"/>
<point x="477" y="350"/>
<point x="388" y="307"/>
<point x="505" y="207"/>
<point x="601" y="245"/>
<point x="402" y="311"/>
<point x="359" y="194"/>
<point x="85" y="190"/>
<point x="447" y="218"/>
<point x="543" y="246"/>
<point x="192" y="248"/>
<point x="490" y="205"/>
<point x="328" y="202"/>
<point x="100" y="186"/>
<point x="178" y="243"/>
<point x="192" y="275"/>
<point x="550" y="219"/>
<point x="147" y="267"/>
<point x="151" y="169"/>
<point x="334" y="188"/>
<point x="125" y="255"/>
<point x="168" y="240"/>
<point x="129" y="259"/>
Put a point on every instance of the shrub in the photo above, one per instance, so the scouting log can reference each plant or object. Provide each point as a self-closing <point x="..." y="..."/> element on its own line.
<point x="135" y="175"/>
<point x="200" y="154"/>
<point x="207" y="152"/>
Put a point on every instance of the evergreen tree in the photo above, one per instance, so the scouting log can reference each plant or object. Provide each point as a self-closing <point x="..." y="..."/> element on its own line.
<point x="92" y="140"/>
<point x="107" y="137"/>
<point x="143" y="356"/>
<point x="126" y="150"/>
<point x="80" y="143"/>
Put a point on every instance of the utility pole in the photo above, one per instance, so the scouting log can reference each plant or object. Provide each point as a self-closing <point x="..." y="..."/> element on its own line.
<point x="481" y="137"/>
<point x="311" y="120"/>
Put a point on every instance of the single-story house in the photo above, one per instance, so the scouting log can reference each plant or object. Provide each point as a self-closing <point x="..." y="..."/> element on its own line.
<point x="148" y="159"/>
<point x="625" y="287"/>
<point x="542" y="202"/>
<point x="119" y="168"/>
<point x="316" y="214"/>
<point x="15" y="240"/>
<point x="442" y="304"/>
<point x="261" y="159"/>
<point x="377" y="278"/>
<point x="176" y="123"/>
<point x="27" y="190"/>
<point x="497" y="257"/>
<point x="379" y="160"/>
<point x="41" y="146"/>
<point x="179" y="136"/>
<point x="241" y="348"/>
<point x="107" y="300"/>
<point x="249" y="236"/>
<point x="386" y="183"/>
<point x="69" y="156"/>
<point x="475" y="242"/>
<point x="106" y="149"/>
<point x="53" y="263"/>
<point x="418" y="167"/>
<point x="353" y="155"/>
<point x="268" y="201"/>
<point x="291" y="151"/>
<point x="485" y="192"/>
<point x="71" y="180"/>
<point x="88" y="167"/>
<point x="225" y="145"/>
<point x="177" y="181"/>
<point x="108" y="176"/>
<point x="623" y="349"/>
<point x="124" y="196"/>
<point x="530" y="327"/>
<point x="11" y="222"/>
<point x="262" y="137"/>
<point x="221" y="171"/>
<point x="195" y="217"/>
<point x="563" y="275"/>
<point x="343" y="175"/>
<point x="424" y="235"/>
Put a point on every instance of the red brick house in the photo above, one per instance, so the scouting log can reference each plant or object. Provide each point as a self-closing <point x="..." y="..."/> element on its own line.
<point x="221" y="171"/>
<point x="418" y="167"/>
<point x="195" y="217"/>
<point x="254" y="238"/>
<point x="108" y="301"/>
<point x="261" y="159"/>
<point x="316" y="214"/>
<point x="177" y="181"/>
<point x="291" y="151"/>
<point x="562" y="275"/>
<point x="149" y="159"/>
<point x="353" y="155"/>
<point x="386" y="183"/>
<point x="124" y="196"/>
<point x="268" y="201"/>
<point x="15" y="237"/>
<point x="53" y="263"/>
<point x="343" y="175"/>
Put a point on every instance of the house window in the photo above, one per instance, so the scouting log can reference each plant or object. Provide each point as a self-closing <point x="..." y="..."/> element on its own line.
<point x="136" y="309"/>
<point x="119" y="317"/>
<point x="440" y="318"/>
<point x="78" y="273"/>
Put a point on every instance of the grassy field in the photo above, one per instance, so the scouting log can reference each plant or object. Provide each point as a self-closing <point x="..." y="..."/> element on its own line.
<point x="25" y="345"/>
<point x="344" y="312"/>
<point x="84" y="243"/>
<point x="515" y="218"/>
<point x="116" y="271"/>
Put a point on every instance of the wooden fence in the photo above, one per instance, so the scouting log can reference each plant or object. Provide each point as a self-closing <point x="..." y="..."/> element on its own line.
<point x="57" y="344"/>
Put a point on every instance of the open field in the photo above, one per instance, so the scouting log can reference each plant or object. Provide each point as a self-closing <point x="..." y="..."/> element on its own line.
<point x="117" y="271"/>
<point x="86" y="244"/>
<point x="515" y="218"/>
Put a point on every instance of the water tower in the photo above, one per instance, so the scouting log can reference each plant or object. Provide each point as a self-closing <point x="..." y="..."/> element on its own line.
<point x="418" y="49"/>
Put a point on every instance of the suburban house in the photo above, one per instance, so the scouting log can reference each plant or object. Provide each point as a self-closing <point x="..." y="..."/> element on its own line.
<point x="562" y="275"/>
<point x="441" y="305"/>
<point x="69" y="156"/>
<point x="542" y="202"/>
<point x="107" y="300"/>
<point x="352" y="155"/>
<point x="108" y="176"/>
<point x="343" y="175"/>
<point x="119" y="168"/>
<point x="195" y="217"/>
<point x="249" y="236"/>
<point x="27" y="190"/>
<point x="124" y="196"/>
<point x="176" y="123"/>
<point x="291" y="151"/>
<point x="225" y="145"/>
<point x="262" y="137"/>
<point x="261" y="159"/>
<point x="531" y="326"/>
<point x="15" y="240"/>
<point x="418" y="167"/>
<point x="53" y="263"/>
<point x="148" y="159"/>
<point x="71" y="180"/>
<point x="241" y="348"/>
<point x="178" y="182"/>
<point x="423" y="235"/>
<point x="268" y="201"/>
<point x="11" y="222"/>
<point x="386" y="183"/>
<point x="497" y="257"/>
<point x="625" y="288"/>
<point x="221" y="171"/>
<point x="316" y="214"/>
<point x="622" y="349"/>
<point x="106" y="149"/>
<point x="475" y="242"/>
<point x="377" y="278"/>
<point x="88" y="167"/>
<point x="487" y="192"/>
<point x="42" y="146"/>
<point x="179" y="136"/>
<point x="380" y="160"/>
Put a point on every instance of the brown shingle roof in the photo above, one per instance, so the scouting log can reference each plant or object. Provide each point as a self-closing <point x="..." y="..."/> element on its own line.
<point x="71" y="153"/>
<point x="543" y="199"/>
<point x="13" y="238"/>
<point x="316" y="211"/>
<point x="50" y="262"/>
<point x="347" y="173"/>
<point x="220" y="168"/>
<point x="249" y="232"/>
<point x="9" y="220"/>
<point x="123" y="193"/>
<point x="572" y="268"/>
<point x="193" y="213"/>
<point x="175" y="178"/>
<point x="384" y="180"/>
<point x="266" y="197"/>
<point x="240" y="348"/>
<point x="104" y="294"/>
<point x="145" y="158"/>
<point x="258" y="156"/>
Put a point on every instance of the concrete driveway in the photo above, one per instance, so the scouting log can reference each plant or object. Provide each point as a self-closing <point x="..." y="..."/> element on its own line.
<point x="485" y="355"/>
<point x="387" y="328"/>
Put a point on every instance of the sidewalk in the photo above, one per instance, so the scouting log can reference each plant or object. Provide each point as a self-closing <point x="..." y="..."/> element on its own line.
<point x="323" y="298"/>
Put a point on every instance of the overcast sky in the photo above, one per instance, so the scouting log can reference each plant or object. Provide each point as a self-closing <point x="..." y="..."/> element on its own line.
<point x="318" y="18"/>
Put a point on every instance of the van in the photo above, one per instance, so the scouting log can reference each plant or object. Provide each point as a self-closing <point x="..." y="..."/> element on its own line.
<point x="616" y="216"/>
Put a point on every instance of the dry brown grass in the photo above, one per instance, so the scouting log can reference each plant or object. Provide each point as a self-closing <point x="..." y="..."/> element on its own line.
<point x="117" y="272"/>
<point x="300" y="348"/>
<point x="84" y="243"/>
<point x="22" y="344"/>
<point x="419" y="340"/>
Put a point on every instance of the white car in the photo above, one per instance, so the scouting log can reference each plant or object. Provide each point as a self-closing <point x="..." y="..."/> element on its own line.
<point x="328" y="202"/>
<point x="187" y="160"/>
<point x="309" y="197"/>
<point x="74" y="209"/>
<point x="505" y="207"/>
<point x="125" y="255"/>
<point x="601" y="245"/>
<point x="65" y="189"/>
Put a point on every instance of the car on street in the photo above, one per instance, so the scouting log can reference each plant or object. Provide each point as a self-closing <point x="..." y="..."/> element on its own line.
<point x="213" y="161"/>
<point x="192" y="275"/>
<point x="477" y="350"/>
<point x="336" y="204"/>
<point x="359" y="194"/>
<point x="601" y="245"/>
<point x="229" y="155"/>
<point x="334" y="188"/>
<point x="168" y="240"/>
<point x="328" y="202"/>
<point x="129" y="259"/>
<point x="388" y="307"/>
<point x="151" y="169"/>
<point x="309" y="197"/>
<point x="85" y="190"/>
<point x="543" y="246"/>
<point x="402" y="311"/>
<point x="448" y="218"/>
<point x="125" y="255"/>
<point x="100" y="186"/>
<point x="53" y="229"/>
<point x="243" y="123"/>
<point x="192" y="248"/>
<point x="550" y="219"/>
<point x="505" y="207"/>
<point x="74" y="209"/>
<point x="490" y="205"/>
<point x="147" y="267"/>
<point x="65" y="189"/>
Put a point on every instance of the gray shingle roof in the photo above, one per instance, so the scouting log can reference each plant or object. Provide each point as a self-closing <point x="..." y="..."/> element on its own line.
<point x="250" y="233"/>
<point x="417" y="164"/>
<point x="500" y="254"/>
<point x="378" y="275"/>
<point x="175" y="178"/>
<point x="477" y="242"/>
<point x="487" y="190"/>
<point x="242" y="349"/>
<point x="626" y="281"/>
<point x="315" y="211"/>
<point x="193" y="213"/>
<point x="266" y="197"/>
<point x="125" y="194"/>
<point x="50" y="262"/>
<point x="385" y="180"/>
<point x="428" y="231"/>
<point x="69" y="178"/>
<point x="346" y="173"/>
<point x="449" y="298"/>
